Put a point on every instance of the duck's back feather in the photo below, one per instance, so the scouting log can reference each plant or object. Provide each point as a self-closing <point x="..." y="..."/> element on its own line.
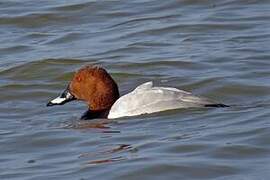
<point x="148" y="99"/>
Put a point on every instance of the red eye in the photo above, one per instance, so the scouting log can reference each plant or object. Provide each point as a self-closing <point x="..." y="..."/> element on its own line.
<point x="78" y="78"/>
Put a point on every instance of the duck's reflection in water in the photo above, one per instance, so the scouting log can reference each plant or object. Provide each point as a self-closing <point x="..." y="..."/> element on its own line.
<point x="102" y="125"/>
<point x="110" y="152"/>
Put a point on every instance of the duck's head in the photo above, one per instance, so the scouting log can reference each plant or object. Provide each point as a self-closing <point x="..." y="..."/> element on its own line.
<point x="93" y="85"/>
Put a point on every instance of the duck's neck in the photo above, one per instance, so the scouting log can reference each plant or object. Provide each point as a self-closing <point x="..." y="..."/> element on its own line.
<point x="101" y="106"/>
<point x="90" y="114"/>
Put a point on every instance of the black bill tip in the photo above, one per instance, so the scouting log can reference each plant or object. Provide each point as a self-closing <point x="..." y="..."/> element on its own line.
<point x="49" y="104"/>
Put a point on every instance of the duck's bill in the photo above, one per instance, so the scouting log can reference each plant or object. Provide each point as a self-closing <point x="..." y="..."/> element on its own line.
<point x="65" y="97"/>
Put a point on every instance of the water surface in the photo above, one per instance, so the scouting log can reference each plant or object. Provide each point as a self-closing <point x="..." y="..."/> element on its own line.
<point x="216" y="49"/>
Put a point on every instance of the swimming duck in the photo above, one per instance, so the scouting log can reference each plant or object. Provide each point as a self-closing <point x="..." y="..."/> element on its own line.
<point x="95" y="86"/>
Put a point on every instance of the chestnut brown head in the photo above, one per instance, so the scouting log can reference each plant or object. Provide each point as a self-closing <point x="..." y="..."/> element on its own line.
<point x="93" y="85"/>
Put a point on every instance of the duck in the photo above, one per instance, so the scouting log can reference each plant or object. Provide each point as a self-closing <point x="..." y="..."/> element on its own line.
<point x="95" y="86"/>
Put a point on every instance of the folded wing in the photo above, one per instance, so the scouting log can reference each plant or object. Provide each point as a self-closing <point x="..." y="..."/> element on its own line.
<point x="148" y="99"/>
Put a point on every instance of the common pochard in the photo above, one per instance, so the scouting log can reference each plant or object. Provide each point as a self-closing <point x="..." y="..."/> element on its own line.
<point x="95" y="86"/>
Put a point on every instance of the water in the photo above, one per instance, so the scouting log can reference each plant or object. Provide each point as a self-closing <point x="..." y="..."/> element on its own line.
<point x="217" y="49"/>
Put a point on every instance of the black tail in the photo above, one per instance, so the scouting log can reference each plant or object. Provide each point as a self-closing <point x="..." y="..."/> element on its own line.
<point x="216" y="105"/>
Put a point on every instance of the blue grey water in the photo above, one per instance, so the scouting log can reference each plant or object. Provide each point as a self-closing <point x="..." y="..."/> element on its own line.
<point x="215" y="48"/>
